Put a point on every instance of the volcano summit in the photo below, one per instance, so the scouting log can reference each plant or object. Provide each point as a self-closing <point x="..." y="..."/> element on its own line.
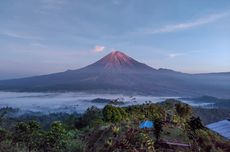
<point x="118" y="62"/>
<point x="119" y="73"/>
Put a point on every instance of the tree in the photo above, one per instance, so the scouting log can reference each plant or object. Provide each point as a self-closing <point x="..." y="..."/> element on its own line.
<point x="154" y="112"/>
<point x="92" y="118"/>
<point x="195" y="123"/>
<point x="3" y="134"/>
<point x="3" y="112"/>
<point x="158" y="125"/>
<point x="56" y="138"/>
<point x="183" y="110"/>
<point x="28" y="134"/>
<point x="113" y="114"/>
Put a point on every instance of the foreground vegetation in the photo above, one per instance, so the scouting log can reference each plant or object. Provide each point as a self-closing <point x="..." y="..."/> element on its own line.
<point x="176" y="128"/>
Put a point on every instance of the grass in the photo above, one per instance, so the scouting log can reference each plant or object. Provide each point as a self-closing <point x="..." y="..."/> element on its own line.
<point x="173" y="134"/>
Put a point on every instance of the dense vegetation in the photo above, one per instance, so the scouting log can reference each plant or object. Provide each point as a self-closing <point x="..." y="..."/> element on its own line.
<point x="113" y="128"/>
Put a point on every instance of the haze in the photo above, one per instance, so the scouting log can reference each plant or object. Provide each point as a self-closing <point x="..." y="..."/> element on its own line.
<point x="72" y="101"/>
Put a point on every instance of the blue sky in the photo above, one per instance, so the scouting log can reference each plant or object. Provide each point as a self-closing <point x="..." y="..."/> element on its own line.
<point x="46" y="36"/>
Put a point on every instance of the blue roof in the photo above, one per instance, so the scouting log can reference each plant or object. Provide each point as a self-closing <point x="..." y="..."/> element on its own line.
<point x="146" y="124"/>
<point x="221" y="127"/>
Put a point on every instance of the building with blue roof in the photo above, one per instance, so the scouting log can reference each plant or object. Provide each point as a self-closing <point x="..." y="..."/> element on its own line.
<point x="221" y="127"/>
<point x="146" y="124"/>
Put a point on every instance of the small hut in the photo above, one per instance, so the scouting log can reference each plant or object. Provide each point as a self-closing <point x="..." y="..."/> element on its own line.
<point x="146" y="124"/>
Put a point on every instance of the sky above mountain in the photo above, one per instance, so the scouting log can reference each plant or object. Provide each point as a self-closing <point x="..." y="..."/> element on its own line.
<point x="46" y="36"/>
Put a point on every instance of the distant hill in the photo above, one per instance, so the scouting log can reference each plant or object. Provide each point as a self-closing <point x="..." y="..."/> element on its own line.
<point x="216" y="102"/>
<point x="119" y="73"/>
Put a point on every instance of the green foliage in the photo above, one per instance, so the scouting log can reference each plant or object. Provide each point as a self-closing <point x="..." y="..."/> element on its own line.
<point x="195" y="123"/>
<point x="3" y="134"/>
<point x="92" y="113"/>
<point x="74" y="143"/>
<point x="155" y="112"/>
<point x="91" y="118"/>
<point x="3" y="112"/>
<point x="146" y="111"/>
<point x="176" y="119"/>
<point x="146" y="141"/>
<point x="211" y="115"/>
<point x="131" y="140"/>
<point x="183" y="110"/>
<point x="28" y="134"/>
<point x="174" y="134"/>
<point x="30" y="137"/>
<point x="169" y="104"/>
<point x="56" y="138"/>
<point x="106" y="130"/>
<point x="210" y="142"/>
<point x="113" y="114"/>
<point x="115" y="130"/>
<point x="158" y="125"/>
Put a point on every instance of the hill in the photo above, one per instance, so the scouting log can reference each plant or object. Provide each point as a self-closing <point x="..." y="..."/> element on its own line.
<point x="111" y="129"/>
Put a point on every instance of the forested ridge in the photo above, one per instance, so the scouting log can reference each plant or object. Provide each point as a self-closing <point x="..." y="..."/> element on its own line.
<point x="177" y="127"/>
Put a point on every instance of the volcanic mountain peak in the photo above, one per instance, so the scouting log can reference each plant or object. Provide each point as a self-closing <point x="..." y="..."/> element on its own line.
<point x="117" y="59"/>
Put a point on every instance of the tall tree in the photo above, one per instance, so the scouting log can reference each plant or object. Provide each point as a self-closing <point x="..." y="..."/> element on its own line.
<point x="29" y="134"/>
<point x="158" y="125"/>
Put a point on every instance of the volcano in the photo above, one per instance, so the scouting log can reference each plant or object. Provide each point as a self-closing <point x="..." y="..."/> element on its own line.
<point x="118" y="62"/>
<point x="119" y="73"/>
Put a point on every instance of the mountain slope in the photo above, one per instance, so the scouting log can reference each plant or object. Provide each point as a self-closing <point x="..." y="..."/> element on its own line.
<point x="121" y="73"/>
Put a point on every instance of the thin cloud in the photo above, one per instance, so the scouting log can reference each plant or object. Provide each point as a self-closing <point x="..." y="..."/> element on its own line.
<point x="174" y="55"/>
<point x="179" y="54"/>
<point x="98" y="48"/>
<point x="18" y="35"/>
<point x="47" y="6"/>
<point x="188" y="25"/>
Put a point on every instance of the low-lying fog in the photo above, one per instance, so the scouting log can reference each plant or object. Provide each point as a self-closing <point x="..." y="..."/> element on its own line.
<point x="70" y="102"/>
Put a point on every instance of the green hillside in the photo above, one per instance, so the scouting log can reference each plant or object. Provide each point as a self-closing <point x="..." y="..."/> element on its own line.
<point x="112" y="129"/>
